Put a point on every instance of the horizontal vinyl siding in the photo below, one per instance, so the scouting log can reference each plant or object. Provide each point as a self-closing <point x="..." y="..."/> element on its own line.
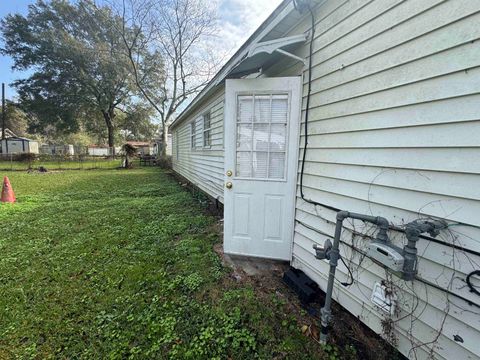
<point x="203" y="167"/>
<point x="395" y="131"/>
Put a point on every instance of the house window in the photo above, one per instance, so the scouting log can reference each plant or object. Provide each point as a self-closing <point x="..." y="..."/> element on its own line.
<point x="207" y="140"/>
<point x="192" y="134"/>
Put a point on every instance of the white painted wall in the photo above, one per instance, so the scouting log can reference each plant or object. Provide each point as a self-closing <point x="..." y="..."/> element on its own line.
<point x="97" y="151"/>
<point x="395" y="129"/>
<point x="33" y="147"/>
<point x="169" y="144"/>
<point x="202" y="166"/>
<point x="57" y="149"/>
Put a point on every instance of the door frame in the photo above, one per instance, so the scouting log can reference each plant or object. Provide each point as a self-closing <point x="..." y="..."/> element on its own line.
<point x="297" y="157"/>
<point x="296" y="115"/>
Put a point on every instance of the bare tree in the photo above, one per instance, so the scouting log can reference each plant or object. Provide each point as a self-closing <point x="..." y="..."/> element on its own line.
<point x="169" y="52"/>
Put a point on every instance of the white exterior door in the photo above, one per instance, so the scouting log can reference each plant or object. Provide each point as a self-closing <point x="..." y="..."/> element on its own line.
<point x="262" y="118"/>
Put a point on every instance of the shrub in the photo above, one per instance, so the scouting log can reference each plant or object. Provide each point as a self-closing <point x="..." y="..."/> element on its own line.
<point x="165" y="163"/>
<point x="24" y="157"/>
<point x="129" y="152"/>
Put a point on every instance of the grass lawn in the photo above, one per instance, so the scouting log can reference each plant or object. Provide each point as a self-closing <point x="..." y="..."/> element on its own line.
<point x="90" y="163"/>
<point x="120" y="264"/>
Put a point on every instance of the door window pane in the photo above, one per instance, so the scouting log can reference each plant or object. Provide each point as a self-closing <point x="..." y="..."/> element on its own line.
<point x="245" y="109"/>
<point x="260" y="137"/>
<point x="278" y="135"/>
<point x="259" y="162"/>
<point x="279" y="108"/>
<point x="277" y="166"/>
<point x="262" y="109"/>
<point x="244" y="164"/>
<point x="244" y="137"/>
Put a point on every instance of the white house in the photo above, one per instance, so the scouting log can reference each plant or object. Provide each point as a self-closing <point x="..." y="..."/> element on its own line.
<point x="18" y="145"/>
<point x="157" y="145"/>
<point x="54" y="149"/>
<point x="143" y="147"/>
<point x="388" y="94"/>
<point x="99" y="150"/>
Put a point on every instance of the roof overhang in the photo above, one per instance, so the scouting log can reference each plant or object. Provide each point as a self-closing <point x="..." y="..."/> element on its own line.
<point x="264" y="52"/>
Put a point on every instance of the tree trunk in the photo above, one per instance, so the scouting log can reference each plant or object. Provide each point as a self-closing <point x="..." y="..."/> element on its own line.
<point x="108" y="116"/>
<point x="163" y="150"/>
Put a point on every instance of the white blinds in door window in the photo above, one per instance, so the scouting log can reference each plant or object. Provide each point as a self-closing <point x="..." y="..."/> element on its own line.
<point x="261" y="136"/>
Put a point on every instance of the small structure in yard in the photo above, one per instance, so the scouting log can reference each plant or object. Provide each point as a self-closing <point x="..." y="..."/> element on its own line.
<point x="148" y="160"/>
<point x="146" y="151"/>
<point x="98" y="150"/>
<point x="375" y="110"/>
<point x="18" y="145"/>
<point x="142" y="147"/>
<point x="55" y="149"/>
<point x="158" y="143"/>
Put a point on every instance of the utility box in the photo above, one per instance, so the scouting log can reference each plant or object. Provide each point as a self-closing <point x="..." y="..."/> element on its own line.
<point x="388" y="255"/>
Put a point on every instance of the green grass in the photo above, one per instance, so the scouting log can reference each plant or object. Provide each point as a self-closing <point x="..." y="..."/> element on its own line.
<point x="91" y="163"/>
<point x="120" y="264"/>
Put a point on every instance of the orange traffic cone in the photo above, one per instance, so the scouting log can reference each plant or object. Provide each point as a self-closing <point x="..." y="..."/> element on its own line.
<point x="7" y="192"/>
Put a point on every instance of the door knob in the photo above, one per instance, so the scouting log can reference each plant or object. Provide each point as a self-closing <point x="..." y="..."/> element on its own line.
<point x="229" y="185"/>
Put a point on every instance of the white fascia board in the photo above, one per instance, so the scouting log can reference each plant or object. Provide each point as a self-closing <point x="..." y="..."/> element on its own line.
<point x="235" y="60"/>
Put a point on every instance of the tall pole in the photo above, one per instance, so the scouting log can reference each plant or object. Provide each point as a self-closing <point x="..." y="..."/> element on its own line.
<point x="4" y="112"/>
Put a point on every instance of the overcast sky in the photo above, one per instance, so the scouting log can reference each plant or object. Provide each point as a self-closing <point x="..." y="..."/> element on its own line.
<point x="238" y="19"/>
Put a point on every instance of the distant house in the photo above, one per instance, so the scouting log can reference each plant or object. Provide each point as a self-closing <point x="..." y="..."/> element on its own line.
<point x="54" y="149"/>
<point x="18" y="145"/>
<point x="143" y="147"/>
<point x="98" y="150"/>
<point x="158" y="145"/>
<point x="13" y="144"/>
<point x="375" y="109"/>
<point x="8" y="132"/>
